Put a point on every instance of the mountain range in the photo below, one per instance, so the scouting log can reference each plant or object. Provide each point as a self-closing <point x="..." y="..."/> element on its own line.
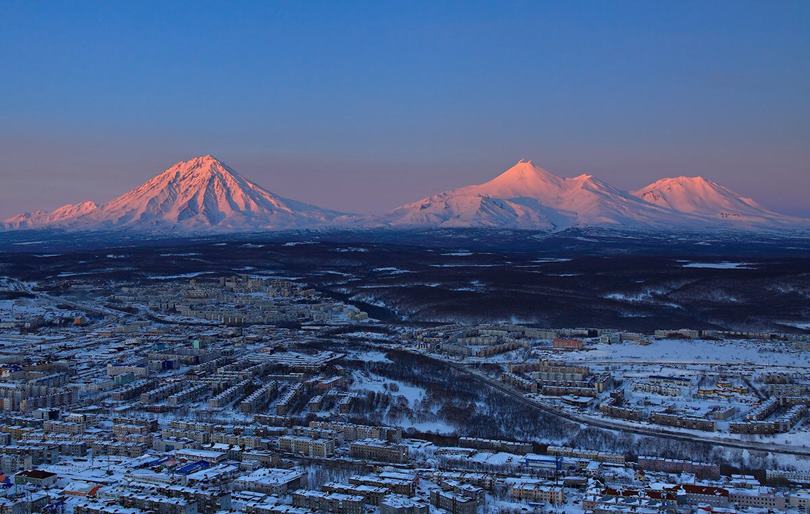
<point x="204" y="195"/>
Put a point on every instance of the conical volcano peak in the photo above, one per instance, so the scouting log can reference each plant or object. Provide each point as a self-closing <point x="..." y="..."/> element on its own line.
<point x="199" y="194"/>
<point x="201" y="160"/>
<point x="525" y="166"/>
<point x="524" y="177"/>
<point x="203" y="164"/>
<point x="527" y="195"/>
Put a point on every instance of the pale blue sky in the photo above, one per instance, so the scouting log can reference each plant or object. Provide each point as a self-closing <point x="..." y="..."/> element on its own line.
<point x="365" y="105"/>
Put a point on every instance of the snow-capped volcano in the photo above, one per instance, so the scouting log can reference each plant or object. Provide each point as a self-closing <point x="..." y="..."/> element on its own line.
<point x="198" y="195"/>
<point x="205" y="195"/>
<point x="527" y="196"/>
<point x="700" y="197"/>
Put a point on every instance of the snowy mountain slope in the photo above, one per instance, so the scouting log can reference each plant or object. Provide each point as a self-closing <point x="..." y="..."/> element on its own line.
<point x="527" y="196"/>
<point x="205" y="195"/>
<point x="708" y="200"/>
<point x="199" y="195"/>
<point x="469" y="210"/>
<point x="57" y="217"/>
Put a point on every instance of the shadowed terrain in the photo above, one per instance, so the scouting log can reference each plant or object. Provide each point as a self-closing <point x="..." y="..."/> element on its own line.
<point x="574" y="278"/>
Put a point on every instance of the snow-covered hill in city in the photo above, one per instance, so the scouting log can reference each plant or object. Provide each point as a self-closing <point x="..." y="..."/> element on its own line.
<point x="198" y="195"/>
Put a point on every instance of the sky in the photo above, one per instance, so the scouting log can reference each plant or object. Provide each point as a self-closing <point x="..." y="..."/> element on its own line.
<point x="362" y="106"/>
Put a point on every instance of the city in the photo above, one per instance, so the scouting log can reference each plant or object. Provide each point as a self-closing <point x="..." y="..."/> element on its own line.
<point x="250" y="393"/>
<point x="385" y="257"/>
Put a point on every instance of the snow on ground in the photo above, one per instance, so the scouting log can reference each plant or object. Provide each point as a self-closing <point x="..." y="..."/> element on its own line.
<point x="101" y="469"/>
<point x="474" y="286"/>
<point x="333" y="272"/>
<point x="640" y="297"/>
<point x="376" y="336"/>
<point x="392" y="270"/>
<point x="367" y="381"/>
<point x="398" y="286"/>
<point x="699" y="351"/>
<point x="65" y="274"/>
<point x="351" y="249"/>
<point x="802" y="325"/>
<point x="436" y="427"/>
<point x="29" y="307"/>
<point x="716" y="265"/>
<point x="498" y="458"/>
<point x="181" y="275"/>
<point x="369" y="356"/>
<point x="466" y="265"/>
<point x="645" y="296"/>
<point x="264" y="274"/>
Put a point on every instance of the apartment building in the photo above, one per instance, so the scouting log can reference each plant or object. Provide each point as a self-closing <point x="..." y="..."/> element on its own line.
<point x="270" y="481"/>
<point x="378" y="450"/>
<point x="320" y="501"/>
<point x="308" y="446"/>
<point x="453" y="503"/>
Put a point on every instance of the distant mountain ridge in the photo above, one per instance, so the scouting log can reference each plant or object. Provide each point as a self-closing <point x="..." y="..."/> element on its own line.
<point x="527" y="196"/>
<point x="203" y="195"/>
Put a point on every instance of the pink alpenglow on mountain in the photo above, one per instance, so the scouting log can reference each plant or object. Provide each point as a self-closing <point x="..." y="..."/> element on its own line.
<point x="198" y="195"/>
<point x="527" y="196"/>
<point x="63" y="214"/>
<point x="703" y="198"/>
<point x="204" y="195"/>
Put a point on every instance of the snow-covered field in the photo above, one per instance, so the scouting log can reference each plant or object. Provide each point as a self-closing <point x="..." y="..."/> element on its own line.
<point x="28" y="308"/>
<point x="467" y="265"/>
<point x="802" y="325"/>
<point x="180" y="275"/>
<point x="368" y="381"/>
<point x="391" y="270"/>
<point x="716" y="265"/>
<point x="698" y="351"/>
<point x="369" y="355"/>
